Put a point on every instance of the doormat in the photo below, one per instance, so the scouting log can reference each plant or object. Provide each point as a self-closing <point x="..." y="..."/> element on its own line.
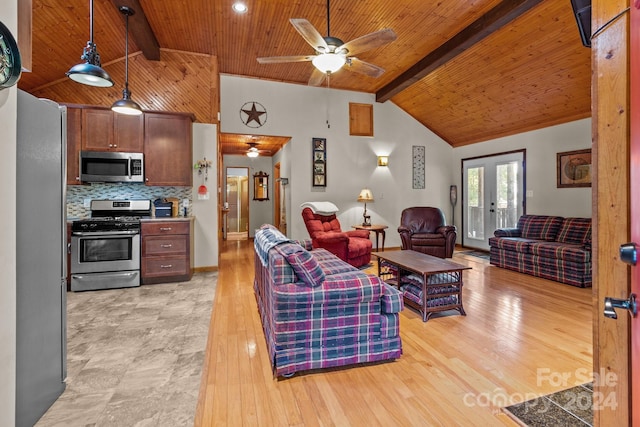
<point x="571" y="407"/>
<point x="478" y="254"/>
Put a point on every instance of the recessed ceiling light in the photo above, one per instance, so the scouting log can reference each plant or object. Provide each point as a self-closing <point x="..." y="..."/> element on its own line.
<point x="239" y="7"/>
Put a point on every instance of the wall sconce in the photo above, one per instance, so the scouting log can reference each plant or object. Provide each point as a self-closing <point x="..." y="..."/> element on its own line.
<point x="383" y="160"/>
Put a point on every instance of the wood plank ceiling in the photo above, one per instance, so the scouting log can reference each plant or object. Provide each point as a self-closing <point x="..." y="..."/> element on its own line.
<point x="532" y="73"/>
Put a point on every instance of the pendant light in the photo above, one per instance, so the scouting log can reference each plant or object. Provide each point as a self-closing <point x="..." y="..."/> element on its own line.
<point x="126" y="105"/>
<point x="90" y="72"/>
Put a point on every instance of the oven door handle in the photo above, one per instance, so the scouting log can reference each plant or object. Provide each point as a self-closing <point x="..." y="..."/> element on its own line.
<point x="129" y="167"/>
<point x="105" y="233"/>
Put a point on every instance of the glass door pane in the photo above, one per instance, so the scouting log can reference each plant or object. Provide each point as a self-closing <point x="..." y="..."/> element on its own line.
<point x="492" y="196"/>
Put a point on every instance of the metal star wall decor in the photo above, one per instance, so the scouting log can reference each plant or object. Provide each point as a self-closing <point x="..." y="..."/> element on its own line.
<point x="253" y="114"/>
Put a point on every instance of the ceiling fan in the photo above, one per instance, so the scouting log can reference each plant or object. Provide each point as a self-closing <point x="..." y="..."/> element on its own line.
<point x="332" y="53"/>
<point x="253" y="150"/>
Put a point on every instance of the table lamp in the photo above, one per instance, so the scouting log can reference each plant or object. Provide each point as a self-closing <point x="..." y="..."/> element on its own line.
<point x="366" y="196"/>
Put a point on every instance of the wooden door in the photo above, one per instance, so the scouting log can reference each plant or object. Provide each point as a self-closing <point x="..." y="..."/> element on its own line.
<point x="277" y="213"/>
<point x="612" y="124"/>
<point x="634" y="192"/>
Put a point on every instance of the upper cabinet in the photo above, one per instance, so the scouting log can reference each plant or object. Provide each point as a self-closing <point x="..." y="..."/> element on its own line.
<point x="164" y="138"/>
<point x="104" y="130"/>
<point x="167" y="149"/>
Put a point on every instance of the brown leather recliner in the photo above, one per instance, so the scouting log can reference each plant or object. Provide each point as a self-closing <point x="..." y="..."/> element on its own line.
<point x="424" y="229"/>
<point x="352" y="246"/>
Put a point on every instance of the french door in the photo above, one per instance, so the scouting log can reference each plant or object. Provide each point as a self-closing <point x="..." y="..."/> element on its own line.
<point x="492" y="196"/>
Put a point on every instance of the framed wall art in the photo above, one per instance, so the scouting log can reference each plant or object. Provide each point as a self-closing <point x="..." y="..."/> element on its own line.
<point x="418" y="152"/>
<point x="319" y="162"/>
<point x="574" y="169"/>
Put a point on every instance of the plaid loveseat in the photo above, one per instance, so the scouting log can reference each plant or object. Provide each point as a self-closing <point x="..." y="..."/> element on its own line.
<point x="551" y="247"/>
<point x="318" y="311"/>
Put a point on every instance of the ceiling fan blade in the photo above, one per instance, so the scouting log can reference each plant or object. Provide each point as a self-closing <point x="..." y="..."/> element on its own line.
<point x="369" y="41"/>
<point x="364" y="68"/>
<point x="317" y="77"/>
<point x="310" y="34"/>
<point x="281" y="59"/>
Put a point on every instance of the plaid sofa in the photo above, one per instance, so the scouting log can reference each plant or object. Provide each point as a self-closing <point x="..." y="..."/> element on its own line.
<point x="551" y="247"/>
<point x="318" y="311"/>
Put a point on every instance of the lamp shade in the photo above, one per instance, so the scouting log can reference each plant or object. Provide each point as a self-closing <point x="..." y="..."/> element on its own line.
<point x="329" y="62"/>
<point x="126" y="105"/>
<point x="89" y="74"/>
<point x="365" y="196"/>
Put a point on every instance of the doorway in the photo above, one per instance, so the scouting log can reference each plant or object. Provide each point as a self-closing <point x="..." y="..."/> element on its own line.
<point x="237" y="196"/>
<point x="493" y="196"/>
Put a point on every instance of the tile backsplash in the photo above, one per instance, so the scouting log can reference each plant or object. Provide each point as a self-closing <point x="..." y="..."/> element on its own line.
<point x="76" y="195"/>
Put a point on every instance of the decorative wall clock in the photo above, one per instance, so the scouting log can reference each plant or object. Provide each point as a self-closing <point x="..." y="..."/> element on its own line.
<point x="253" y="114"/>
<point x="418" y="166"/>
<point x="10" y="64"/>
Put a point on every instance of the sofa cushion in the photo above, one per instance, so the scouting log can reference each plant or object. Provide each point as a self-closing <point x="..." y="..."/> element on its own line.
<point x="427" y="239"/>
<point x="303" y="263"/>
<point x="306" y="268"/>
<point x="561" y="251"/>
<point x="539" y="227"/>
<point x="391" y="301"/>
<point x="512" y="244"/>
<point x="331" y="264"/>
<point x="575" y="231"/>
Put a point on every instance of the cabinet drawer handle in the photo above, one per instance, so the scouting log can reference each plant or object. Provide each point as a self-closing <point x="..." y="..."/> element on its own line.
<point x="165" y="229"/>
<point x="166" y="266"/>
<point x="166" y="246"/>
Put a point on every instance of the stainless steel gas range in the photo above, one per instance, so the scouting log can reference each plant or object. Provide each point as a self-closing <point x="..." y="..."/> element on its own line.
<point x="105" y="249"/>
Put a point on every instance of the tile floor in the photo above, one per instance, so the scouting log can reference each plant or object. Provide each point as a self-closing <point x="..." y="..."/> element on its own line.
<point x="135" y="355"/>
<point x="569" y="408"/>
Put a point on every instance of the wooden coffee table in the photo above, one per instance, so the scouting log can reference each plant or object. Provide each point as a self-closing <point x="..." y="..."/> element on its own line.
<point x="440" y="280"/>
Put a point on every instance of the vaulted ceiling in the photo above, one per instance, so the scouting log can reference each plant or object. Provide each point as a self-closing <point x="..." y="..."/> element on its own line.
<point x="469" y="70"/>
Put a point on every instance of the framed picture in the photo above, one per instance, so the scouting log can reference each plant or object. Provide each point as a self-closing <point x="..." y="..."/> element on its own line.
<point x="574" y="169"/>
<point x="417" y="165"/>
<point x="319" y="162"/>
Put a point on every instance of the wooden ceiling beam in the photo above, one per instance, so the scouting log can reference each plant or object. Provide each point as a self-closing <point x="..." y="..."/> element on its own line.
<point x="140" y="29"/>
<point x="496" y="18"/>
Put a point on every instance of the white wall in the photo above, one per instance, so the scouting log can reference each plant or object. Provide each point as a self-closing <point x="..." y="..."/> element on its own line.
<point x="541" y="146"/>
<point x="205" y="145"/>
<point x="301" y="112"/>
<point x="8" y="115"/>
<point x="260" y="212"/>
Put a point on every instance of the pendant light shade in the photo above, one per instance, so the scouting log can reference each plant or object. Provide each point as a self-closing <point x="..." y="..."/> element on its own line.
<point x="90" y="72"/>
<point x="126" y="105"/>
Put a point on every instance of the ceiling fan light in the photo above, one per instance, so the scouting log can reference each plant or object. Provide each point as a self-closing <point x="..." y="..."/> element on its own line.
<point x="252" y="153"/>
<point x="329" y="62"/>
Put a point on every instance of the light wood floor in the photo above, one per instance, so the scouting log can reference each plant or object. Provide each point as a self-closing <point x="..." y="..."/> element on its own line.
<point x="522" y="337"/>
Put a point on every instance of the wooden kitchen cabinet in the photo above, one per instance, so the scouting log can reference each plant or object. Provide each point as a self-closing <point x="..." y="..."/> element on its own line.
<point x="104" y="130"/>
<point x="167" y="251"/>
<point x="74" y="142"/>
<point x="168" y="149"/>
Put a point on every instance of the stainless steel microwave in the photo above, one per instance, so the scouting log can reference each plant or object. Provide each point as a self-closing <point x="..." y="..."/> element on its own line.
<point x="99" y="166"/>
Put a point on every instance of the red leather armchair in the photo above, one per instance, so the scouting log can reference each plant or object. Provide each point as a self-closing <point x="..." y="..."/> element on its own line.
<point x="424" y="229"/>
<point x="353" y="246"/>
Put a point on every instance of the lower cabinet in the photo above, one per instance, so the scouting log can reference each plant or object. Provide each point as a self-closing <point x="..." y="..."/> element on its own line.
<point x="167" y="251"/>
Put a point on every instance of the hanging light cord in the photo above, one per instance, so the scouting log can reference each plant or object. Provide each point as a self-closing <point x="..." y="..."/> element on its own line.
<point x="126" y="53"/>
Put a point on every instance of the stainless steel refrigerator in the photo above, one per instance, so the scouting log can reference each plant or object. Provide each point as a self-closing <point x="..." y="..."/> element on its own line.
<point x="41" y="257"/>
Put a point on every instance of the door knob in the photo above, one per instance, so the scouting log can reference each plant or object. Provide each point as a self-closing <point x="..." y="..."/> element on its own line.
<point x="628" y="253"/>
<point x="610" y="305"/>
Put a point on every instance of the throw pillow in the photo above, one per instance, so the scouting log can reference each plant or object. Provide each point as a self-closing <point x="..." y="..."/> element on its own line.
<point x="306" y="267"/>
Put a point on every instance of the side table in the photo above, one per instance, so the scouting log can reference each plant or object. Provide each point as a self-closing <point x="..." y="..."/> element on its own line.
<point x="376" y="228"/>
